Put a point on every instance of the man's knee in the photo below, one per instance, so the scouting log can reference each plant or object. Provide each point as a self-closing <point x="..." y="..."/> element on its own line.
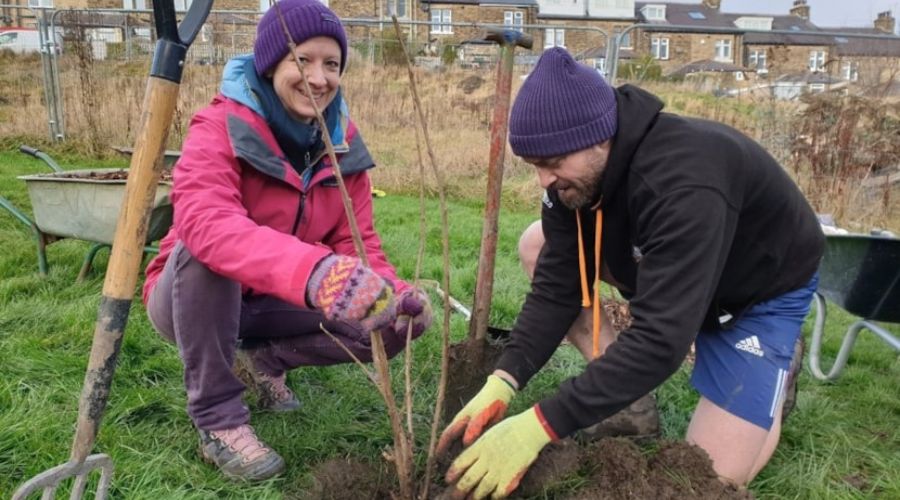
<point x="530" y="244"/>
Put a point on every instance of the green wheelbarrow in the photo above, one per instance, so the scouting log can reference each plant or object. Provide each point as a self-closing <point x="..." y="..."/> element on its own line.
<point x="860" y="274"/>
<point x="82" y="205"/>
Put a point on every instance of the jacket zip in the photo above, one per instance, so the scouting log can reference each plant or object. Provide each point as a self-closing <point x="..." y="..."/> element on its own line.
<point x="306" y="168"/>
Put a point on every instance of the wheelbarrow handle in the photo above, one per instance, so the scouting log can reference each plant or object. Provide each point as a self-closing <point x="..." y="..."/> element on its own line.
<point x="40" y="155"/>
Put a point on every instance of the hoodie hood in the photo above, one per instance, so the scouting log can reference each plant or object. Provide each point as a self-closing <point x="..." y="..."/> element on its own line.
<point x="638" y="111"/>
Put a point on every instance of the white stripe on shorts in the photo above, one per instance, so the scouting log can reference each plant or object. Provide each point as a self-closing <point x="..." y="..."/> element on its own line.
<point x="779" y="390"/>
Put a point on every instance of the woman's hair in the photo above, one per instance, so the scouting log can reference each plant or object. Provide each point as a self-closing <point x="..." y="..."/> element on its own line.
<point x="305" y="19"/>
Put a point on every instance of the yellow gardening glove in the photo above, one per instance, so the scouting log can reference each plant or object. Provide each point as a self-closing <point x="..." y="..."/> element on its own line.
<point x="495" y="464"/>
<point x="484" y="410"/>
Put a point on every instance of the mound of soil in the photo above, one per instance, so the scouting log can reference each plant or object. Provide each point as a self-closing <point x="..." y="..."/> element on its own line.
<point x="350" y="479"/>
<point x="470" y="364"/>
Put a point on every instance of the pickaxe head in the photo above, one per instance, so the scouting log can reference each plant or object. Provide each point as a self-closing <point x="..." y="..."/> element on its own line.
<point x="509" y="37"/>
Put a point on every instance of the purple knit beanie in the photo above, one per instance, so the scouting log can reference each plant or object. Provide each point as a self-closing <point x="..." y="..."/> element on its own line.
<point x="305" y="19"/>
<point x="561" y="108"/>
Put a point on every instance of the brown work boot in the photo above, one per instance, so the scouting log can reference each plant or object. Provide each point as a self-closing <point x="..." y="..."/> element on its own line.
<point x="239" y="454"/>
<point x="272" y="393"/>
<point x="790" y="393"/>
<point x="639" y="420"/>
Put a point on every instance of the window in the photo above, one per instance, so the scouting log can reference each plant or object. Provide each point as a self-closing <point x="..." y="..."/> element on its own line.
<point x="696" y="15"/>
<point x="654" y="12"/>
<point x="440" y="21"/>
<point x="757" y="59"/>
<point x="626" y="40"/>
<point x="723" y="50"/>
<point x="397" y="7"/>
<point x="815" y="88"/>
<point x="659" y="48"/>
<point x="263" y="5"/>
<point x="134" y="4"/>
<point x="6" y="38"/>
<point x="554" y="37"/>
<point x="600" y="65"/>
<point x="41" y="3"/>
<point x="513" y="19"/>
<point x="850" y="70"/>
<point x="816" y="60"/>
<point x="182" y="5"/>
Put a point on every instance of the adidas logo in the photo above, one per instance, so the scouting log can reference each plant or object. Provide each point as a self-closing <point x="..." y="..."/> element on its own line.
<point x="751" y="345"/>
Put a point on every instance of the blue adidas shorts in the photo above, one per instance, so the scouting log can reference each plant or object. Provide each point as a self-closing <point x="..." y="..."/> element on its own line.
<point x="744" y="370"/>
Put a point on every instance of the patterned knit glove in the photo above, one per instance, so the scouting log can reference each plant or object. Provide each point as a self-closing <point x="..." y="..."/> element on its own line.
<point x="412" y="306"/>
<point x="345" y="290"/>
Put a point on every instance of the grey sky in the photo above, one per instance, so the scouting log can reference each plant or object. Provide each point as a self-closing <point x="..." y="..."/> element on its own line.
<point x="827" y="13"/>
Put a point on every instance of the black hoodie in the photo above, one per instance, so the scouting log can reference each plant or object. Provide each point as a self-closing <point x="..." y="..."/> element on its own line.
<point x="699" y="221"/>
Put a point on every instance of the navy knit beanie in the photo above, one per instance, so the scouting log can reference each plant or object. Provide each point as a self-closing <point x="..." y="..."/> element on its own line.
<point x="561" y="108"/>
<point x="305" y="19"/>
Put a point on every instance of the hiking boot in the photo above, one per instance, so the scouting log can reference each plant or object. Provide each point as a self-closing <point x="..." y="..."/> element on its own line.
<point x="790" y="394"/>
<point x="272" y="393"/>
<point x="239" y="454"/>
<point x="639" y="420"/>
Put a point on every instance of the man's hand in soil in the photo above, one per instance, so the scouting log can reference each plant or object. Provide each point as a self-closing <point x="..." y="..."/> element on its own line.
<point x="484" y="410"/>
<point x="496" y="463"/>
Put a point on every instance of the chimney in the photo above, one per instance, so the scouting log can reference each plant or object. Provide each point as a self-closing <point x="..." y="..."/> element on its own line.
<point x="800" y="9"/>
<point x="885" y="22"/>
<point x="712" y="4"/>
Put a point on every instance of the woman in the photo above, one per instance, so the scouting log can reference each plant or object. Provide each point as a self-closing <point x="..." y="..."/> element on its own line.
<point x="260" y="252"/>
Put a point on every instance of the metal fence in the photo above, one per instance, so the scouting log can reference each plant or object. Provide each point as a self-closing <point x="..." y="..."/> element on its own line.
<point x="116" y="35"/>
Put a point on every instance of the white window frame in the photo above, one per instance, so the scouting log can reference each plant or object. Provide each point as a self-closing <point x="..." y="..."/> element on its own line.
<point x="816" y="60"/>
<point x="659" y="48"/>
<point x="723" y="50"/>
<point x="554" y="37"/>
<point x="265" y="5"/>
<point x="815" y="88"/>
<point x="850" y="70"/>
<point x="514" y="19"/>
<point x="600" y="65"/>
<point x="134" y="4"/>
<point x="440" y="19"/>
<point x="654" y="12"/>
<point x="398" y="7"/>
<point x="47" y="4"/>
<point x="758" y="59"/>
<point x="182" y="5"/>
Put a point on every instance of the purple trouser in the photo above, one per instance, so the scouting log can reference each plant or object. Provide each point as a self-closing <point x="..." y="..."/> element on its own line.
<point x="206" y="315"/>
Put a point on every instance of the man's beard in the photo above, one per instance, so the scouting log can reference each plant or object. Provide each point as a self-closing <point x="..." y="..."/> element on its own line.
<point x="578" y="193"/>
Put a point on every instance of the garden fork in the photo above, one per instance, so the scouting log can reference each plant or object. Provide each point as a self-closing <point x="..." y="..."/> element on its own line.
<point x="127" y="250"/>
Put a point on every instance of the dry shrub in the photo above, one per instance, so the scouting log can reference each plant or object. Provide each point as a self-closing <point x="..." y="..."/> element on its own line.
<point x="828" y="143"/>
<point x="839" y="143"/>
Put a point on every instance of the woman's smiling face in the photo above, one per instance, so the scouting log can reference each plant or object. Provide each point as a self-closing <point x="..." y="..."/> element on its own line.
<point x="321" y="59"/>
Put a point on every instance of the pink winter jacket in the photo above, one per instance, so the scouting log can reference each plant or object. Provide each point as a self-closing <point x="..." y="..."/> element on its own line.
<point x="244" y="212"/>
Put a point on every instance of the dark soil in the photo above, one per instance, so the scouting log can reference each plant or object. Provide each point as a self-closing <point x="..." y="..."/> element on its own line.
<point x="116" y="175"/>
<point x="470" y="364"/>
<point x="618" y="313"/>
<point x="350" y="479"/>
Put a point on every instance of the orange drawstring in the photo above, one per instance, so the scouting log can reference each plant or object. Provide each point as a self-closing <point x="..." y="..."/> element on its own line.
<point x="582" y="266"/>
<point x="597" y="323"/>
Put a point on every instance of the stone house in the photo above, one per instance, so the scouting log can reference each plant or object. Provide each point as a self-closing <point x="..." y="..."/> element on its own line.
<point x="867" y="61"/>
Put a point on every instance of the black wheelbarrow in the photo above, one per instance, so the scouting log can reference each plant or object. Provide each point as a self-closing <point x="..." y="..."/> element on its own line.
<point x="861" y="274"/>
<point x="83" y="205"/>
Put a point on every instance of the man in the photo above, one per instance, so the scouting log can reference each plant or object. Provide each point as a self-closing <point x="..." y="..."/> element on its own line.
<point x="702" y="230"/>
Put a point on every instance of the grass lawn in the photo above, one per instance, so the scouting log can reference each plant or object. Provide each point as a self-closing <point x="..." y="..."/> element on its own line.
<point x="841" y="442"/>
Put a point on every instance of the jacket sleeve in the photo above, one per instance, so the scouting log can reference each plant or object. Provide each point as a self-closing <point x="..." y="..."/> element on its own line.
<point x="554" y="301"/>
<point x="214" y="225"/>
<point x="684" y="242"/>
<point x="359" y="186"/>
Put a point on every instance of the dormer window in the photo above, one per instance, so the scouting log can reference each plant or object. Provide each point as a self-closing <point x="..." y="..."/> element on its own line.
<point x="754" y="23"/>
<point x="654" y="12"/>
